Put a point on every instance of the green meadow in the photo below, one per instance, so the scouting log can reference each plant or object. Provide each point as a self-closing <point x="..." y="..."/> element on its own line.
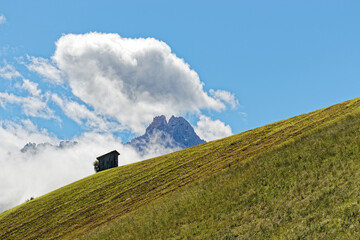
<point x="293" y="179"/>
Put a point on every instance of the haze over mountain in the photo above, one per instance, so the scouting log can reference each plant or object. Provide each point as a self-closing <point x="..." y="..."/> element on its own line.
<point x="160" y="137"/>
<point x="34" y="148"/>
<point x="166" y="136"/>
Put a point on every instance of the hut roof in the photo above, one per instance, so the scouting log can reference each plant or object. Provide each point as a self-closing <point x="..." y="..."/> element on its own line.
<point x="115" y="152"/>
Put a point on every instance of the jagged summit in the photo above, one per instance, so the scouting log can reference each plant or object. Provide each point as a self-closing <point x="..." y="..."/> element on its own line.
<point x="173" y="135"/>
<point x="159" y="123"/>
<point x="183" y="132"/>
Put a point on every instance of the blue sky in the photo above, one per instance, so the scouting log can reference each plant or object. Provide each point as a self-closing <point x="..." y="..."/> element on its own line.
<point x="97" y="72"/>
<point x="278" y="58"/>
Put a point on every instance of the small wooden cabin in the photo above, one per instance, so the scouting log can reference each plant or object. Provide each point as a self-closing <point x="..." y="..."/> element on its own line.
<point x="108" y="160"/>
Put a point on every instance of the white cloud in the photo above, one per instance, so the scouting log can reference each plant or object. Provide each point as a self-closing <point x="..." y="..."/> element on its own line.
<point x="225" y="97"/>
<point x="43" y="67"/>
<point x="210" y="130"/>
<point x="130" y="80"/>
<point x="2" y="19"/>
<point x="32" y="106"/>
<point x="15" y="135"/>
<point x="31" y="87"/>
<point x="82" y="115"/>
<point x="9" y="72"/>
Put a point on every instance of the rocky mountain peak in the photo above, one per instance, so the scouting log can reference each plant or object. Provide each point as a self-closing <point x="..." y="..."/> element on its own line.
<point x="159" y="123"/>
<point x="177" y="121"/>
<point x="173" y="135"/>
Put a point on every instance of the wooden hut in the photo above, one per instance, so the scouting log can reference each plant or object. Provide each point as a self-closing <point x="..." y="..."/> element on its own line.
<point x="108" y="160"/>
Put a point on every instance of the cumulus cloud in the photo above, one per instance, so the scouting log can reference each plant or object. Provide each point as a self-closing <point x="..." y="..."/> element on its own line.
<point x="43" y="67"/>
<point x="9" y="72"/>
<point x="210" y="130"/>
<point x="2" y="19"/>
<point x="23" y="175"/>
<point x="130" y="80"/>
<point x="225" y="97"/>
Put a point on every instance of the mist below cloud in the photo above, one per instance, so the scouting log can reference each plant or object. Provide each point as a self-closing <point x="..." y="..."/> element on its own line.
<point x="35" y="173"/>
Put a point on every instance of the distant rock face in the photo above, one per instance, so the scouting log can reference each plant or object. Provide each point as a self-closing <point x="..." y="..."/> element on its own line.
<point x="35" y="148"/>
<point x="173" y="135"/>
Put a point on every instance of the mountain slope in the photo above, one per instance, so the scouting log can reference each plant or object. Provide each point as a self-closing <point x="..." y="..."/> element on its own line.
<point x="109" y="195"/>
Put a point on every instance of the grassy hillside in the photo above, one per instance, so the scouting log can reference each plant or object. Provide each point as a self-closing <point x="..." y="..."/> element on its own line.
<point x="309" y="188"/>
<point x="235" y="167"/>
